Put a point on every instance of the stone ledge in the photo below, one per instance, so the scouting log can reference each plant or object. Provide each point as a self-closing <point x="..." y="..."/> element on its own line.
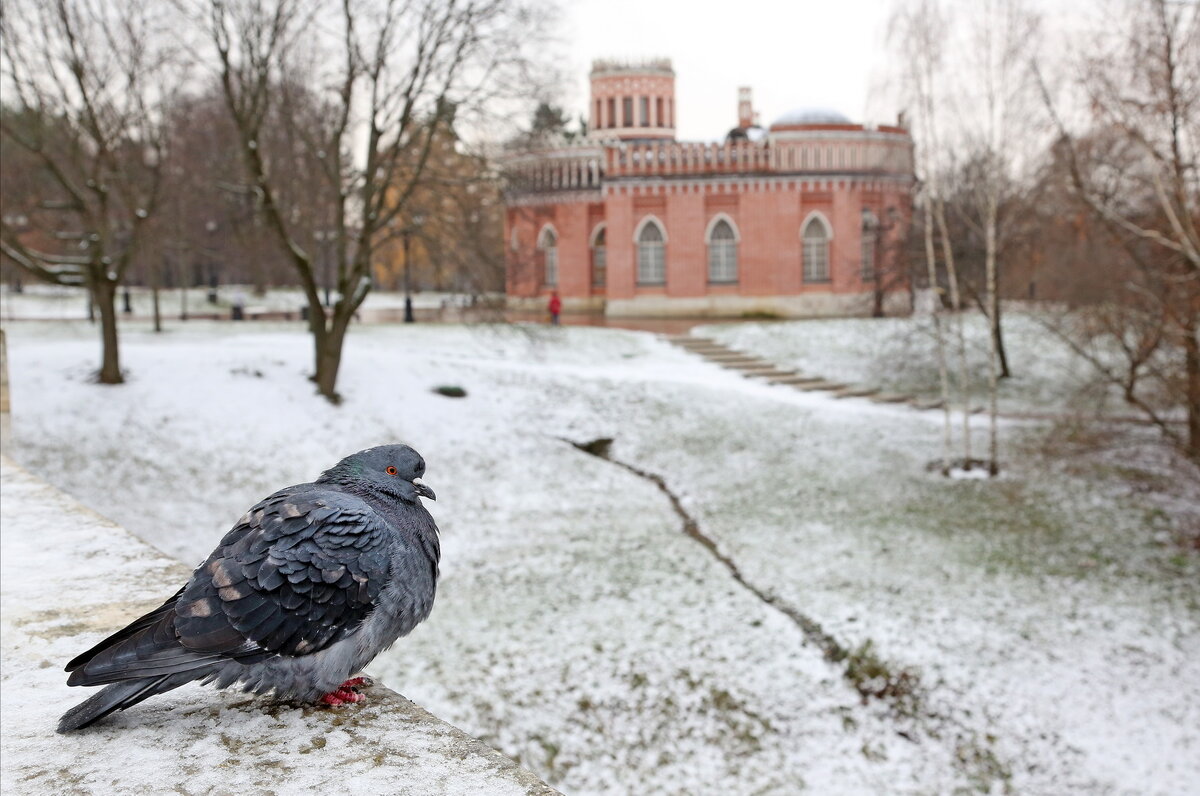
<point x="68" y="576"/>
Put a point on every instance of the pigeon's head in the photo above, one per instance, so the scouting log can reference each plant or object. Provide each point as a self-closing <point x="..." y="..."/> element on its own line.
<point x="394" y="470"/>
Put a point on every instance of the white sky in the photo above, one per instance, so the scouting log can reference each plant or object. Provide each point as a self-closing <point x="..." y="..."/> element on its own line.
<point x="792" y="53"/>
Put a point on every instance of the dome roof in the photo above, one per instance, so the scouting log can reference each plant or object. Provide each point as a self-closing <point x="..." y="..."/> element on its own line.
<point x="800" y="116"/>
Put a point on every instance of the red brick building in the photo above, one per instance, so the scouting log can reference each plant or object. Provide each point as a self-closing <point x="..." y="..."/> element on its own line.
<point x="801" y="218"/>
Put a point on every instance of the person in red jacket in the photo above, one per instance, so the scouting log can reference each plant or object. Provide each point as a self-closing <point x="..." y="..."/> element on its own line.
<point x="555" y="307"/>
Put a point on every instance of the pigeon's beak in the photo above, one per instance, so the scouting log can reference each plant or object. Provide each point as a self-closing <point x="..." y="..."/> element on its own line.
<point x="423" y="490"/>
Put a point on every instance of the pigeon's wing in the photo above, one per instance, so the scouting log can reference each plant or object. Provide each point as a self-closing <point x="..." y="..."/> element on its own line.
<point x="134" y="627"/>
<point x="299" y="571"/>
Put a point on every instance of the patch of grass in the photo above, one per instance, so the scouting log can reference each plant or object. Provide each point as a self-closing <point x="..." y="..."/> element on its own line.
<point x="873" y="678"/>
<point x="982" y="767"/>
<point x="450" y="391"/>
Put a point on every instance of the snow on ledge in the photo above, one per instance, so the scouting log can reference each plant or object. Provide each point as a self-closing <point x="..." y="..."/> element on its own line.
<point x="68" y="576"/>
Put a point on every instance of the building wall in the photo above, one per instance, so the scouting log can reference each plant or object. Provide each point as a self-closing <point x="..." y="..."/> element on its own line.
<point x="631" y="170"/>
<point x="768" y="215"/>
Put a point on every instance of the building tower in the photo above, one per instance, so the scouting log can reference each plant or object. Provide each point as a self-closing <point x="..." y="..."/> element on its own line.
<point x="632" y="100"/>
<point x="745" y="108"/>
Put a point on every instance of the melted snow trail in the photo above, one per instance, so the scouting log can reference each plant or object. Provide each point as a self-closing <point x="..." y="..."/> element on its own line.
<point x="829" y="646"/>
<point x="871" y="678"/>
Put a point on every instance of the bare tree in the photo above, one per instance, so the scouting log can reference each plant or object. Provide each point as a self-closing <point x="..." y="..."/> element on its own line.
<point x="919" y="33"/>
<point x="1137" y="171"/>
<point x="1004" y="40"/>
<point x="86" y="81"/>
<point x="392" y="73"/>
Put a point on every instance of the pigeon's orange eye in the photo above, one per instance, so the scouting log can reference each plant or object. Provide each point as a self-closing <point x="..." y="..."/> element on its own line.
<point x="391" y="471"/>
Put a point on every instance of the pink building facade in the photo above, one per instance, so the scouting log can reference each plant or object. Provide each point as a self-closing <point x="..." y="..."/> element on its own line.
<point x="804" y="218"/>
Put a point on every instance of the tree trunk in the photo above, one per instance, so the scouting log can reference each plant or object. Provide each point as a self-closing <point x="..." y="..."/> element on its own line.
<point x="154" y="284"/>
<point x="993" y="349"/>
<point x="943" y="375"/>
<point x="329" y="352"/>
<point x="105" y="293"/>
<point x="964" y="383"/>
<point x="1191" y="348"/>
<point x="998" y="339"/>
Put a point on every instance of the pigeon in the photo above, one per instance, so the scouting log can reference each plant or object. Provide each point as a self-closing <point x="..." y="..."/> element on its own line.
<point x="306" y="589"/>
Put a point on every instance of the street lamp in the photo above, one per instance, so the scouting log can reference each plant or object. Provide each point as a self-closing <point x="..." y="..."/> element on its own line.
<point x="210" y="258"/>
<point x="406" y="236"/>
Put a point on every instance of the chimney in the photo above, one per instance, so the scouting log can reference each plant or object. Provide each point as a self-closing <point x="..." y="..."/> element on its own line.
<point x="745" y="108"/>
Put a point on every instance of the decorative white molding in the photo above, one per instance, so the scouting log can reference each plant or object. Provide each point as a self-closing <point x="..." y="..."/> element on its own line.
<point x="555" y="198"/>
<point x="649" y="218"/>
<point x="712" y="222"/>
<point x="819" y="216"/>
<point x="596" y="230"/>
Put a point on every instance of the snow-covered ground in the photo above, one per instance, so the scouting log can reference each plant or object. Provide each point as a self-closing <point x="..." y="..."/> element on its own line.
<point x="897" y="355"/>
<point x="1054" y="625"/>
<point x="54" y="302"/>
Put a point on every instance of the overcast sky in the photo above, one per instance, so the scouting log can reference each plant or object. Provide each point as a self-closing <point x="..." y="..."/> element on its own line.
<point x="792" y="53"/>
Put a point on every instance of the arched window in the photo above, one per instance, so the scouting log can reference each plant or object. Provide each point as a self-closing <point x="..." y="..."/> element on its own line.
<point x="816" y="251"/>
<point x="600" y="258"/>
<point x="722" y="253"/>
<point x="549" y="246"/>
<point x="651" y="261"/>
<point x="870" y="232"/>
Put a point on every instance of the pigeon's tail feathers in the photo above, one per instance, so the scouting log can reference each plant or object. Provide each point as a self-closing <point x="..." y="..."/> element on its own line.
<point x="115" y="697"/>
<point x="151" y="652"/>
<point x="150" y="619"/>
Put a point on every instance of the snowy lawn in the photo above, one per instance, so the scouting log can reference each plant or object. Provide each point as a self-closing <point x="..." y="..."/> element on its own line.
<point x="898" y="355"/>
<point x="54" y="302"/>
<point x="1052" y="622"/>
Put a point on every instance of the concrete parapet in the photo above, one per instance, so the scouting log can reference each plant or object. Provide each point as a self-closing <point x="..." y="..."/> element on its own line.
<point x="69" y="576"/>
<point x="5" y="413"/>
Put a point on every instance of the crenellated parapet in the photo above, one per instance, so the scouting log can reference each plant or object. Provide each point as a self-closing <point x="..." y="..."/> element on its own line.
<point x="567" y="166"/>
<point x="815" y="151"/>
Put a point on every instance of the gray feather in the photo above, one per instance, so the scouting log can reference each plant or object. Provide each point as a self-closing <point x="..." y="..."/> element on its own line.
<point x="300" y="594"/>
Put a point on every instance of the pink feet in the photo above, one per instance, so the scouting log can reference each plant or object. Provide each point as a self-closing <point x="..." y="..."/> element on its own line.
<point x="345" y="693"/>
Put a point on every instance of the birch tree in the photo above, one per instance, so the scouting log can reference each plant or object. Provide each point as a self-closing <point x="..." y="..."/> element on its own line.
<point x="1004" y="39"/>
<point x="918" y="30"/>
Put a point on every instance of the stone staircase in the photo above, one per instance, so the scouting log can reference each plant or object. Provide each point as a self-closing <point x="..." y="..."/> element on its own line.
<point x="753" y="367"/>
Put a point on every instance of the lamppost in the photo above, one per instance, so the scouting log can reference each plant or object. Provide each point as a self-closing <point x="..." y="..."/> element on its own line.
<point x="406" y="235"/>
<point x="210" y="258"/>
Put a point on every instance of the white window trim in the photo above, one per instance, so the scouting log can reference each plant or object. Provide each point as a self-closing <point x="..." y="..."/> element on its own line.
<point x="718" y="218"/>
<point x="601" y="227"/>
<point x="818" y="215"/>
<point x="541" y="238"/>
<point x="650" y="219"/>
<point x="637" y="242"/>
